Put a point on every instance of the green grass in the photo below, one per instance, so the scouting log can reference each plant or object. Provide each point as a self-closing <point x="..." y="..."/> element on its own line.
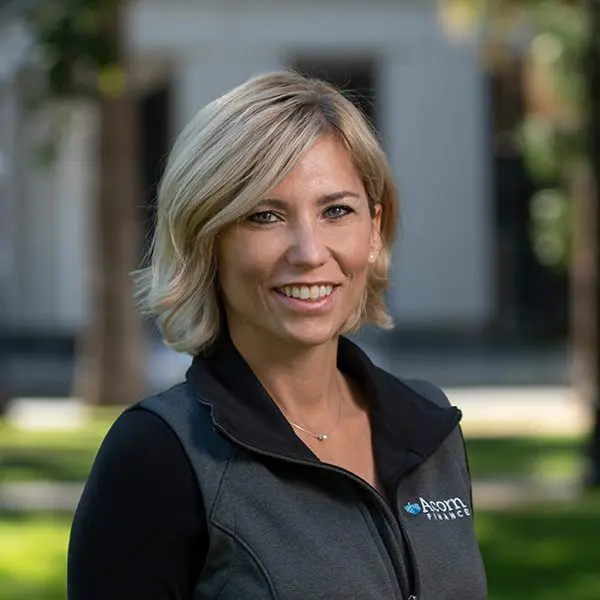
<point x="542" y="553"/>
<point x="52" y="455"/>
<point x="545" y="553"/>
<point x="68" y="455"/>
<point x="33" y="556"/>
<point x="519" y="456"/>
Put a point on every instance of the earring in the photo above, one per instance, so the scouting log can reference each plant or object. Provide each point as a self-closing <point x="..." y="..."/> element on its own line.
<point x="371" y="256"/>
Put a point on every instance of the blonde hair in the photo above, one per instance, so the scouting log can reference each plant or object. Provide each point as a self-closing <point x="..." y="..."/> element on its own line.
<point x="229" y="156"/>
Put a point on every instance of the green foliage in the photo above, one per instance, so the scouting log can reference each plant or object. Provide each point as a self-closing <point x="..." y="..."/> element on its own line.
<point x="76" y="45"/>
<point x="551" y="229"/>
<point x="562" y="39"/>
<point x="553" y="143"/>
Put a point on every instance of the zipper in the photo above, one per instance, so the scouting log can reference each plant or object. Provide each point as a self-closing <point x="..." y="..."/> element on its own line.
<point x="409" y="551"/>
<point x="383" y="505"/>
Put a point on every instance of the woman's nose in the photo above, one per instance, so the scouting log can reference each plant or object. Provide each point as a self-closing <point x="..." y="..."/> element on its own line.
<point x="308" y="247"/>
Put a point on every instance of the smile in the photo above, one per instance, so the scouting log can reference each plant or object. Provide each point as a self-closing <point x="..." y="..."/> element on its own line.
<point x="306" y="292"/>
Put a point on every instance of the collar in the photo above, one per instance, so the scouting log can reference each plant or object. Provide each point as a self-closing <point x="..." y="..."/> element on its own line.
<point x="406" y="428"/>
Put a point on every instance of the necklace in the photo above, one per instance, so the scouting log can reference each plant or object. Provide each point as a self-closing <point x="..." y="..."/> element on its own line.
<point x="322" y="437"/>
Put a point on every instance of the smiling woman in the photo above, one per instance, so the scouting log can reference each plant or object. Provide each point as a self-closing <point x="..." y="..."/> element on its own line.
<point x="302" y="255"/>
<point x="233" y="164"/>
<point x="287" y="465"/>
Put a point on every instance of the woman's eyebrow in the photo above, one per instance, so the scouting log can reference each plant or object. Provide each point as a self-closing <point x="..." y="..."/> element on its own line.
<point x="326" y="199"/>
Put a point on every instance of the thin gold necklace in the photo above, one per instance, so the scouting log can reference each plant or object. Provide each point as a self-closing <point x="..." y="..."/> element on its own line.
<point x="322" y="437"/>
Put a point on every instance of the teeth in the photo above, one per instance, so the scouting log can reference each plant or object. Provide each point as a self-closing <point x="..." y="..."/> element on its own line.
<point x="305" y="292"/>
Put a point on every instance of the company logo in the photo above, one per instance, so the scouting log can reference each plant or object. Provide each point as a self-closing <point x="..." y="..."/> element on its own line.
<point x="439" y="510"/>
<point x="413" y="508"/>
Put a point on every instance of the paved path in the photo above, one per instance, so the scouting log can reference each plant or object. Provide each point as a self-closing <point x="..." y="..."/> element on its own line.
<point x="542" y="410"/>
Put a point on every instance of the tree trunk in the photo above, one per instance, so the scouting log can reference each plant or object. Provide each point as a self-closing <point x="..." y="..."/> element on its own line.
<point x="111" y="362"/>
<point x="584" y="286"/>
<point x="593" y="77"/>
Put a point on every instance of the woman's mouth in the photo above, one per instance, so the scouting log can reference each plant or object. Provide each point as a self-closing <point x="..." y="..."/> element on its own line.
<point x="306" y="292"/>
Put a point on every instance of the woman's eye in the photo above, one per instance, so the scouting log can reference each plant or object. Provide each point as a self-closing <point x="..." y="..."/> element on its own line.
<point x="263" y="217"/>
<point x="337" y="212"/>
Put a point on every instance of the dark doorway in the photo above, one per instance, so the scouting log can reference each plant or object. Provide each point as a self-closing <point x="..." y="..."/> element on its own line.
<point x="156" y="135"/>
<point x="531" y="299"/>
<point x="355" y="77"/>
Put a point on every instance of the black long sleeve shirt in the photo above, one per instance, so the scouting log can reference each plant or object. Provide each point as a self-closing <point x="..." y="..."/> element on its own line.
<point x="139" y="530"/>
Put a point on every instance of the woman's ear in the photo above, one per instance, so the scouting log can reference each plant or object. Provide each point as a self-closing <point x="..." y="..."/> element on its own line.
<point x="376" y="242"/>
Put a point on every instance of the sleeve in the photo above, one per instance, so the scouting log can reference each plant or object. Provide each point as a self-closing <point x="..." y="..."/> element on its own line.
<point x="139" y="531"/>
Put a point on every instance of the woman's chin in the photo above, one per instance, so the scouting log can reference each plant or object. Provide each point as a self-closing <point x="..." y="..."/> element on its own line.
<point x="310" y="334"/>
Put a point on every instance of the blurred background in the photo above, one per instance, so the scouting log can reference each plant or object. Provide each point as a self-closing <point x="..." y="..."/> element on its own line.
<point x="490" y="114"/>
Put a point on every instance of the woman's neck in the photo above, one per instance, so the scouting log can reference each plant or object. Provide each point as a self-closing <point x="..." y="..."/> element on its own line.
<point x="303" y="381"/>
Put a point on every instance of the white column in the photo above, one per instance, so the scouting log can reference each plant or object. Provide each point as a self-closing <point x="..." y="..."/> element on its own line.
<point x="9" y="203"/>
<point x="52" y="257"/>
<point x="76" y="191"/>
<point x="38" y="229"/>
<point x="432" y="105"/>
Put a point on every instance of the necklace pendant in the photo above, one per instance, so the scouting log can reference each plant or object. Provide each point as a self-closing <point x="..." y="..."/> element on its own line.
<point x="322" y="437"/>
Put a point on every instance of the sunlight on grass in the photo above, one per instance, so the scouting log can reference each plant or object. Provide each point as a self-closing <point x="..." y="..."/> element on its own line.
<point x="33" y="556"/>
<point x="534" y="456"/>
<point x="547" y="552"/>
<point x="81" y="437"/>
<point x="544" y="553"/>
<point x="68" y="455"/>
<point x="52" y="455"/>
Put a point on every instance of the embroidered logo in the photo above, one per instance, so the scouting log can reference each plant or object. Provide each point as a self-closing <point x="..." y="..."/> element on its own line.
<point x="439" y="510"/>
<point x="412" y="508"/>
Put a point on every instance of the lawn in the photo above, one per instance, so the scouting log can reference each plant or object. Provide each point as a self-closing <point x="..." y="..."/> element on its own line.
<point x="52" y="455"/>
<point x="68" y="456"/>
<point x="33" y="556"/>
<point x="546" y="552"/>
<point x="518" y="456"/>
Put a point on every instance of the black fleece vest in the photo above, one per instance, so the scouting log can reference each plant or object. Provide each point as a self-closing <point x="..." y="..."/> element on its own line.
<point x="289" y="529"/>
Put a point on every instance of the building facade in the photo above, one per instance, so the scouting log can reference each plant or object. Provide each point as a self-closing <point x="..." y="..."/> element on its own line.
<point x="423" y="89"/>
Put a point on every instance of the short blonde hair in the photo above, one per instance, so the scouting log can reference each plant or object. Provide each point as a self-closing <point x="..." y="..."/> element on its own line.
<point x="229" y="156"/>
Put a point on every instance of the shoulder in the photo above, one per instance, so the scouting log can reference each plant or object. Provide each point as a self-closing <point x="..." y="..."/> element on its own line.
<point x="423" y="389"/>
<point x="179" y="409"/>
<point x="426" y="390"/>
<point x="139" y="440"/>
<point x="190" y="423"/>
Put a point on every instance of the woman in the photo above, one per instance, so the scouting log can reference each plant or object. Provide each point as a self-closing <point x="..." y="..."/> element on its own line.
<point x="287" y="465"/>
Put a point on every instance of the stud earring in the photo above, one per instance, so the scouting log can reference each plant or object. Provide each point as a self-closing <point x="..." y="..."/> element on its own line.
<point x="371" y="256"/>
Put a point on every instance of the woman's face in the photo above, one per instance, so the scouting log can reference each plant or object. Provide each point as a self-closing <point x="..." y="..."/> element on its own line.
<point x="295" y="269"/>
